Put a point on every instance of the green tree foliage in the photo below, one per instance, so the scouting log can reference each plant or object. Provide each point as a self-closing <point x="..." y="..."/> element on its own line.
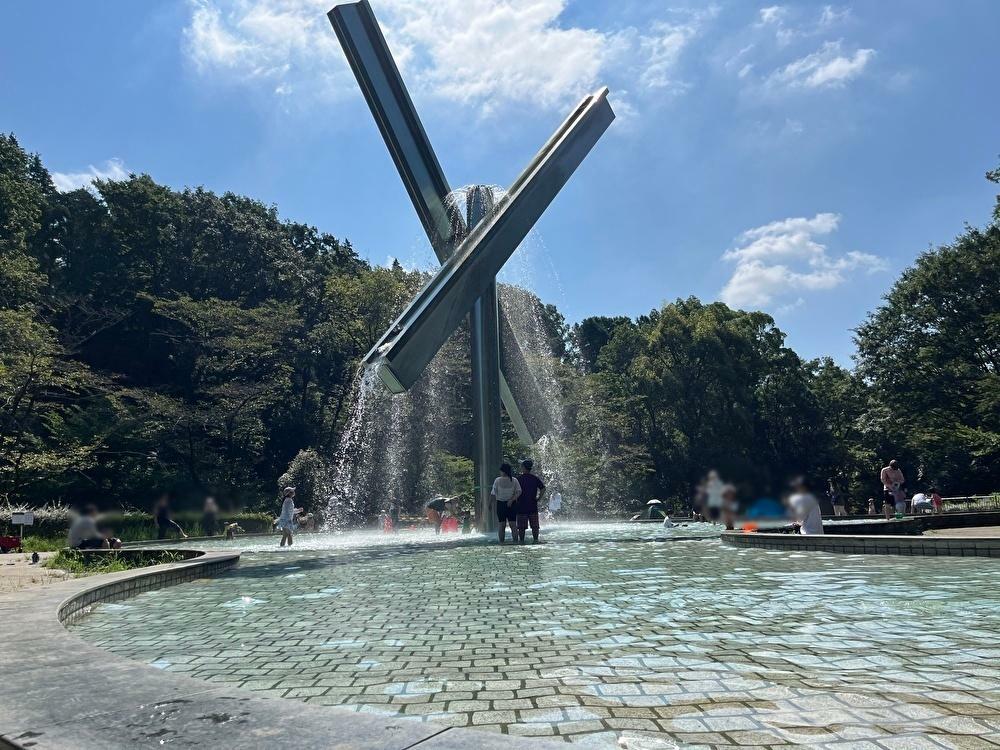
<point x="153" y="339"/>
<point x="931" y="354"/>
<point x="156" y="339"/>
<point x="691" y="387"/>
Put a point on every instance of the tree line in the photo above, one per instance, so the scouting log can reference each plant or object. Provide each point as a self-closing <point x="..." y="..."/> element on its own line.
<point x="154" y="339"/>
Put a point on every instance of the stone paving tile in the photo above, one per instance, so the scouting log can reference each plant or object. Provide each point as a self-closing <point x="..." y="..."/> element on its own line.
<point x="610" y="644"/>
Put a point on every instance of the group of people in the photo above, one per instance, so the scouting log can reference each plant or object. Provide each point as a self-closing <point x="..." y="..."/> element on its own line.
<point x="895" y="501"/>
<point x="210" y="522"/>
<point x="516" y="499"/>
<point x="442" y="513"/>
<point x="894" y="498"/>
<point x="715" y="501"/>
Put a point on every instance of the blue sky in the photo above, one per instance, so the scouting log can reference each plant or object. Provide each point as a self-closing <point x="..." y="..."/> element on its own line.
<point x="792" y="158"/>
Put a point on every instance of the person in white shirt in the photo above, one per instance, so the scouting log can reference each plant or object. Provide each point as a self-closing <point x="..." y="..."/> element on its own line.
<point x="715" y="490"/>
<point x="920" y="502"/>
<point x="286" y="521"/>
<point x="83" y="532"/>
<point x="506" y="490"/>
<point x="555" y="504"/>
<point x="805" y="508"/>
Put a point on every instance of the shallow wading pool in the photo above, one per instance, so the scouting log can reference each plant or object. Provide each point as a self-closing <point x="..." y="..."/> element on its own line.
<point x="610" y="635"/>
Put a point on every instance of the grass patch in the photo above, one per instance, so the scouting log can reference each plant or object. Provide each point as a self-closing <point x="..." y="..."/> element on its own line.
<point x="82" y="564"/>
<point x="42" y="544"/>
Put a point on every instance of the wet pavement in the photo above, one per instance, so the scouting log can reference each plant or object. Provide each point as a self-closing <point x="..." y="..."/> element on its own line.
<point x="602" y="636"/>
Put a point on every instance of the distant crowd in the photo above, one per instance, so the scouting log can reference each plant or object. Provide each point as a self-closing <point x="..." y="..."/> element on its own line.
<point x="716" y="501"/>
<point x="515" y="500"/>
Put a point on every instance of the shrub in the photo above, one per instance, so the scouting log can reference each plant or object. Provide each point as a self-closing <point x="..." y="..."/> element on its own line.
<point x="52" y="522"/>
<point x="80" y="563"/>
<point x="305" y="473"/>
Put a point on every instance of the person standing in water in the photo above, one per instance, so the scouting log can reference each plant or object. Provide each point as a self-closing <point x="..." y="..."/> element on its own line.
<point x="893" y="497"/>
<point x="434" y="509"/>
<point x="532" y="489"/>
<point x="210" y="517"/>
<point x="555" y="504"/>
<point x="161" y="514"/>
<point x="286" y="521"/>
<point x="506" y="490"/>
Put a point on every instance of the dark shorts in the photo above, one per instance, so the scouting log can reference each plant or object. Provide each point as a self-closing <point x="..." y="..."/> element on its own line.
<point x="526" y="519"/>
<point x="888" y="499"/>
<point x="505" y="512"/>
<point x="95" y="543"/>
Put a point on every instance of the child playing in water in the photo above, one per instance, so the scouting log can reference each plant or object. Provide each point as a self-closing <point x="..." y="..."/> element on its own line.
<point x="286" y="521"/>
<point x="936" y="500"/>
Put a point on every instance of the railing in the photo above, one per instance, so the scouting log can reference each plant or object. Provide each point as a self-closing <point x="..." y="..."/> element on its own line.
<point x="972" y="502"/>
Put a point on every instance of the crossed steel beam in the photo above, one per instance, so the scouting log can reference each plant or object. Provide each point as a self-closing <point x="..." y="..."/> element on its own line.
<point x="472" y="251"/>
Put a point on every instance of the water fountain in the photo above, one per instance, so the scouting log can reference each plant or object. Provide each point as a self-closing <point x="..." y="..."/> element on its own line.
<point x="472" y="248"/>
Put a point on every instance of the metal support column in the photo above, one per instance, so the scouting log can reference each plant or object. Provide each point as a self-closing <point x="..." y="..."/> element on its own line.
<point x="484" y="325"/>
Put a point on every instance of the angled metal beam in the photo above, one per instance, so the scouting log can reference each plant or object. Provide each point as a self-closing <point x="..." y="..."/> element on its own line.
<point x="532" y="418"/>
<point x="443" y="303"/>
<point x="404" y="135"/>
<point x="397" y="120"/>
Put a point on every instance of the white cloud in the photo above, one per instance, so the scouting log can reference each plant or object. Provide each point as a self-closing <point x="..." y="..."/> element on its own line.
<point x="662" y="49"/>
<point x="480" y="53"/>
<point x="483" y="51"/>
<point x="773" y="14"/>
<point x="781" y="261"/>
<point x="832" y="16"/>
<point x="113" y="169"/>
<point x="790" y="24"/>
<point x="828" y="67"/>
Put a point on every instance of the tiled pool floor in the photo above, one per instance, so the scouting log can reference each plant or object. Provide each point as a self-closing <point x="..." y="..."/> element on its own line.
<point x="637" y="644"/>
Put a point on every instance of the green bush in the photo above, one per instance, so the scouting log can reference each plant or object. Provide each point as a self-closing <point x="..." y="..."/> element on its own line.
<point x="52" y="523"/>
<point x="42" y="544"/>
<point x="83" y="564"/>
<point x="132" y="527"/>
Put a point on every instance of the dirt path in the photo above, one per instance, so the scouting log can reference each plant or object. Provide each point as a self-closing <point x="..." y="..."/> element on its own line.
<point x="17" y="572"/>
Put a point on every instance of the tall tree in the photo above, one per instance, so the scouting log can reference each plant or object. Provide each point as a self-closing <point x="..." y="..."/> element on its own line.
<point x="931" y="353"/>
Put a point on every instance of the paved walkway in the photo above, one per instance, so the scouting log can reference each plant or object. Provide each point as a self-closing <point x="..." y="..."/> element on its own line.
<point x="60" y="693"/>
<point x="974" y="531"/>
<point x="608" y="643"/>
<point x="17" y="572"/>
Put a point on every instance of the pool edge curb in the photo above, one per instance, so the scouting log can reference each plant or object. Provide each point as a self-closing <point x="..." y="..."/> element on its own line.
<point x="60" y="686"/>
<point x="851" y="544"/>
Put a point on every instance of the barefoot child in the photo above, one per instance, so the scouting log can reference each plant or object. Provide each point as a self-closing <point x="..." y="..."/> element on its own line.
<point x="286" y="521"/>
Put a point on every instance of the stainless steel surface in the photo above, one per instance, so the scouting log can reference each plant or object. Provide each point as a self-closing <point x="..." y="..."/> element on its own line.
<point x="484" y="327"/>
<point x="425" y="182"/>
<point x="444" y="302"/>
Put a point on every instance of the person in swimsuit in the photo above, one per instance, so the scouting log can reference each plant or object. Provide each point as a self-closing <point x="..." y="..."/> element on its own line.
<point x="435" y="511"/>
<point x="893" y="497"/>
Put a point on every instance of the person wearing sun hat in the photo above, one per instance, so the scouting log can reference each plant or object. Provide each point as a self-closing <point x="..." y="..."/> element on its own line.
<point x="286" y="521"/>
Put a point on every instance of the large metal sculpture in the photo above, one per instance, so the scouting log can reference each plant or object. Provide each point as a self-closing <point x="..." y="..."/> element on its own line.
<point x="471" y="248"/>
